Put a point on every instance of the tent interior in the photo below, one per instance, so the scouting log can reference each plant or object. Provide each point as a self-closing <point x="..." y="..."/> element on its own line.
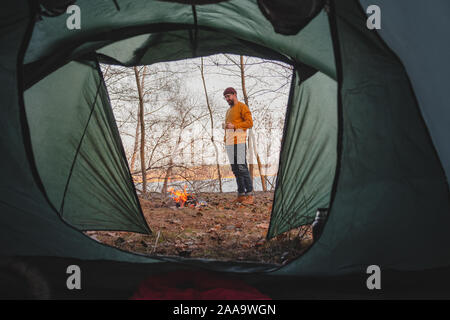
<point x="90" y="169"/>
<point x="354" y="142"/>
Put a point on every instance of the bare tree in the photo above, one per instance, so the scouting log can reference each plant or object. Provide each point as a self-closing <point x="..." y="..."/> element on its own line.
<point x="252" y="144"/>
<point x="142" y="128"/>
<point x="212" y="125"/>
<point x="156" y="133"/>
<point x="138" y="124"/>
<point x="184" y="114"/>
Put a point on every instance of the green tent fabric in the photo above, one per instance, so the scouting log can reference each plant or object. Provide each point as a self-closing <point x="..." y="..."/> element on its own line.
<point x="308" y="156"/>
<point x="391" y="206"/>
<point x="30" y="224"/>
<point x="89" y="166"/>
<point x="428" y="65"/>
<point x="360" y="137"/>
<point x="241" y="23"/>
<point x="89" y="182"/>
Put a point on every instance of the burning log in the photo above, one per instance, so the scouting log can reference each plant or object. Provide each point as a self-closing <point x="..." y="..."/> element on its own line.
<point x="178" y="196"/>
<point x="191" y="201"/>
<point x="183" y="199"/>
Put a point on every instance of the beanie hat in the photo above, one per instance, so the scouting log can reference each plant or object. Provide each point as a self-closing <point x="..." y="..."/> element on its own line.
<point x="229" y="90"/>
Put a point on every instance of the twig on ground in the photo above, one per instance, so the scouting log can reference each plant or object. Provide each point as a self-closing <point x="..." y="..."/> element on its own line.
<point x="156" y="241"/>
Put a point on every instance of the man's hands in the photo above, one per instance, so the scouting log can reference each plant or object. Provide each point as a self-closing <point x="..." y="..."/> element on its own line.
<point x="229" y="125"/>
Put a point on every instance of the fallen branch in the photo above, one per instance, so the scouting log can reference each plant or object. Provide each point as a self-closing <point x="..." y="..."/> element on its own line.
<point x="156" y="241"/>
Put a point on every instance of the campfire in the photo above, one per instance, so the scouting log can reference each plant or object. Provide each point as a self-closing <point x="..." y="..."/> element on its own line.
<point x="184" y="199"/>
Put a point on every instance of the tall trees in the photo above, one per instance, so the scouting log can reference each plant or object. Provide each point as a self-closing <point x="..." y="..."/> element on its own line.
<point x="139" y="96"/>
<point x="251" y="137"/>
<point x="169" y="116"/>
<point x="212" y="124"/>
<point x="252" y="143"/>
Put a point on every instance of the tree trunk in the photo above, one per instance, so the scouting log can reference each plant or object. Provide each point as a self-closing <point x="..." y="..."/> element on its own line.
<point x="136" y="142"/>
<point x="141" y="119"/>
<point x="252" y="143"/>
<point x="171" y="165"/>
<point x="212" y="126"/>
<point x="167" y="177"/>
<point x="138" y="123"/>
<point x="269" y="146"/>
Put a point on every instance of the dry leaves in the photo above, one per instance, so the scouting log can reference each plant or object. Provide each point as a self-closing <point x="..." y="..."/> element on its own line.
<point x="221" y="230"/>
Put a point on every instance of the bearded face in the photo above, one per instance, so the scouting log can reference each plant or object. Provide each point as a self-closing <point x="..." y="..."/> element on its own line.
<point x="230" y="98"/>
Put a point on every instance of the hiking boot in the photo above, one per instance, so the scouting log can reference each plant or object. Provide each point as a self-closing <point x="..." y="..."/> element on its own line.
<point x="239" y="199"/>
<point x="248" y="200"/>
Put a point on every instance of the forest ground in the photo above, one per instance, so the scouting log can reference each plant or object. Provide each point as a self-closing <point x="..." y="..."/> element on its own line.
<point x="219" y="230"/>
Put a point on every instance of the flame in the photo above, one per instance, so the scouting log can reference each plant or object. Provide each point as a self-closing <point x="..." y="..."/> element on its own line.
<point x="179" y="196"/>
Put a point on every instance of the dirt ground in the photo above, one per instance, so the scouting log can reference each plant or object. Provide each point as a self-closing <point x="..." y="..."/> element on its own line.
<point x="218" y="230"/>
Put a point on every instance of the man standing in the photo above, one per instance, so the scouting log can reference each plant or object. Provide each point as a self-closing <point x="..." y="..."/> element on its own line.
<point x="237" y="120"/>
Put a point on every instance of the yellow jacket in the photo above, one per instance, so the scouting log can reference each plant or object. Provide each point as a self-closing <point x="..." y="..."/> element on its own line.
<point x="241" y="117"/>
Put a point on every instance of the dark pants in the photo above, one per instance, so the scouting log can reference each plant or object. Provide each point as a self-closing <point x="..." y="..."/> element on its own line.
<point x="237" y="154"/>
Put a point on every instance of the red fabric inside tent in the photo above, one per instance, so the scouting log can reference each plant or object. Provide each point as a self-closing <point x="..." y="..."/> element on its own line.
<point x="196" y="286"/>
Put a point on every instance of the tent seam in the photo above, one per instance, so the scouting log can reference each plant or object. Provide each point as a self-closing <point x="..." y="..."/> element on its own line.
<point x="102" y="80"/>
<point x="61" y="210"/>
